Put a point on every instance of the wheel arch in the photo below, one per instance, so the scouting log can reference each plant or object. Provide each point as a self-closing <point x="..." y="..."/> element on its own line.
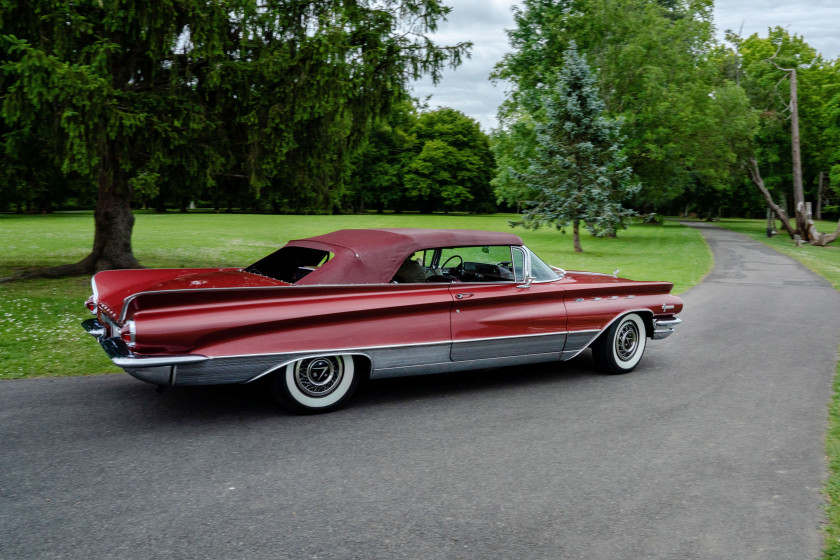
<point x="364" y="363"/>
<point x="644" y="313"/>
<point x="647" y="317"/>
<point x="620" y="346"/>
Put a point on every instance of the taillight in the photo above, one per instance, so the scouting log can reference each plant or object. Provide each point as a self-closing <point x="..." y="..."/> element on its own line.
<point x="91" y="304"/>
<point x="127" y="333"/>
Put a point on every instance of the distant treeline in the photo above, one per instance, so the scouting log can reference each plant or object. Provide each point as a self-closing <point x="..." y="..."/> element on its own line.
<point x="304" y="107"/>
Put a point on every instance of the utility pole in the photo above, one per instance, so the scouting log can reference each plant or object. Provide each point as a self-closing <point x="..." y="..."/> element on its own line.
<point x="798" y="193"/>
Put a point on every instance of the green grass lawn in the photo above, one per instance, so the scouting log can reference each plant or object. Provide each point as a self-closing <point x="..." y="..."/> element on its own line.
<point x="39" y="319"/>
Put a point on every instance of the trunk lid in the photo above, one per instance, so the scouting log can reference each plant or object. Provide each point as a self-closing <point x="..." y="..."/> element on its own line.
<point x="112" y="287"/>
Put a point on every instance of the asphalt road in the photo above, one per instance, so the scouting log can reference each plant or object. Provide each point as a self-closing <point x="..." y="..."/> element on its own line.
<point x="712" y="449"/>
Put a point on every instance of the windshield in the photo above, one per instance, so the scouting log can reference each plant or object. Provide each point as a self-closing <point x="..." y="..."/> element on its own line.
<point x="539" y="270"/>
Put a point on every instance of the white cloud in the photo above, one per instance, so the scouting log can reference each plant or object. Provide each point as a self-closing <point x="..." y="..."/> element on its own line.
<point x="468" y="88"/>
<point x="817" y="21"/>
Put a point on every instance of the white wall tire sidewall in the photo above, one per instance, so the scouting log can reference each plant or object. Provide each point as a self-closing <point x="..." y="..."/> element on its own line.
<point x="640" y="326"/>
<point x="318" y="403"/>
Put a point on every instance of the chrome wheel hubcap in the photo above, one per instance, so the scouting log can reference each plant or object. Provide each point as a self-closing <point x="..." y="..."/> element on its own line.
<point x="318" y="377"/>
<point x="627" y="341"/>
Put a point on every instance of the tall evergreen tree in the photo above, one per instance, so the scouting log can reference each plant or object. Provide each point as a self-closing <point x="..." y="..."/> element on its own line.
<point x="136" y="95"/>
<point x="578" y="172"/>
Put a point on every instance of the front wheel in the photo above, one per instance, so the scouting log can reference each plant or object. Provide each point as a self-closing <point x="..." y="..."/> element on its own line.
<point x="313" y="385"/>
<point x="619" y="349"/>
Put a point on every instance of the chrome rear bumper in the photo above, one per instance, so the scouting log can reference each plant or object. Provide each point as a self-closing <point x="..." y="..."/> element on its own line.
<point x="662" y="328"/>
<point x="159" y="370"/>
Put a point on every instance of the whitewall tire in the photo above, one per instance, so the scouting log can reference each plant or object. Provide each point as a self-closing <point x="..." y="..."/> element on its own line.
<point x="619" y="349"/>
<point x="316" y="384"/>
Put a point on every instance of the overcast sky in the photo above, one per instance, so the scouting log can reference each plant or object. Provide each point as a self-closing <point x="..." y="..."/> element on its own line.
<point x="483" y="22"/>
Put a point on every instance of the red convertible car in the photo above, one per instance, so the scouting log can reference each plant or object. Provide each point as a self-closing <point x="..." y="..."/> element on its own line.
<point x="322" y="313"/>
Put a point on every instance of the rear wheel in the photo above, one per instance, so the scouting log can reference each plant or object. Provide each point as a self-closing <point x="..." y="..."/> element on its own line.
<point x="313" y="385"/>
<point x="619" y="349"/>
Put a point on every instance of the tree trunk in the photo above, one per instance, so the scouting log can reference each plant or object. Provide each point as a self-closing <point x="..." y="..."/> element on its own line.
<point x="755" y="175"/>
<point x="576" y="235"/>
<point x="113" y="224"/>
<point x="831" y="237"/>
<point x="160" y="204"/>
<point x="818" y="213"/>
<point x="809" y="231"/>
<point x="817" y="238"/>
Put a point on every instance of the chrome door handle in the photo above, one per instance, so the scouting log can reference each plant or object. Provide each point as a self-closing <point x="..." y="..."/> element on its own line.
<point x="463" y="296"/>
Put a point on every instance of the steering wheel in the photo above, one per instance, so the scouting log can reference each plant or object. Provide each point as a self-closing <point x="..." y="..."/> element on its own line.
<point x="446" y="262"/>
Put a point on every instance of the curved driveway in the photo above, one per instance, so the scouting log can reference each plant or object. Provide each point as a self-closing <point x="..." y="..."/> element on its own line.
<point x="712" y="449"/>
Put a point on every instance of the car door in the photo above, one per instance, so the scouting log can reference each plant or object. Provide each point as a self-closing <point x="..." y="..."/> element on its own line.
<point x="507" y="318"/>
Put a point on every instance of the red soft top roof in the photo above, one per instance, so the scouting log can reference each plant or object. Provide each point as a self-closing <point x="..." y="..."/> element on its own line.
<point x="372" y="256"/>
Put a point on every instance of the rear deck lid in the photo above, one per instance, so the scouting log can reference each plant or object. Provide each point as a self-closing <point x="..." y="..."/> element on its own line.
<point x="112" y="287"/>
